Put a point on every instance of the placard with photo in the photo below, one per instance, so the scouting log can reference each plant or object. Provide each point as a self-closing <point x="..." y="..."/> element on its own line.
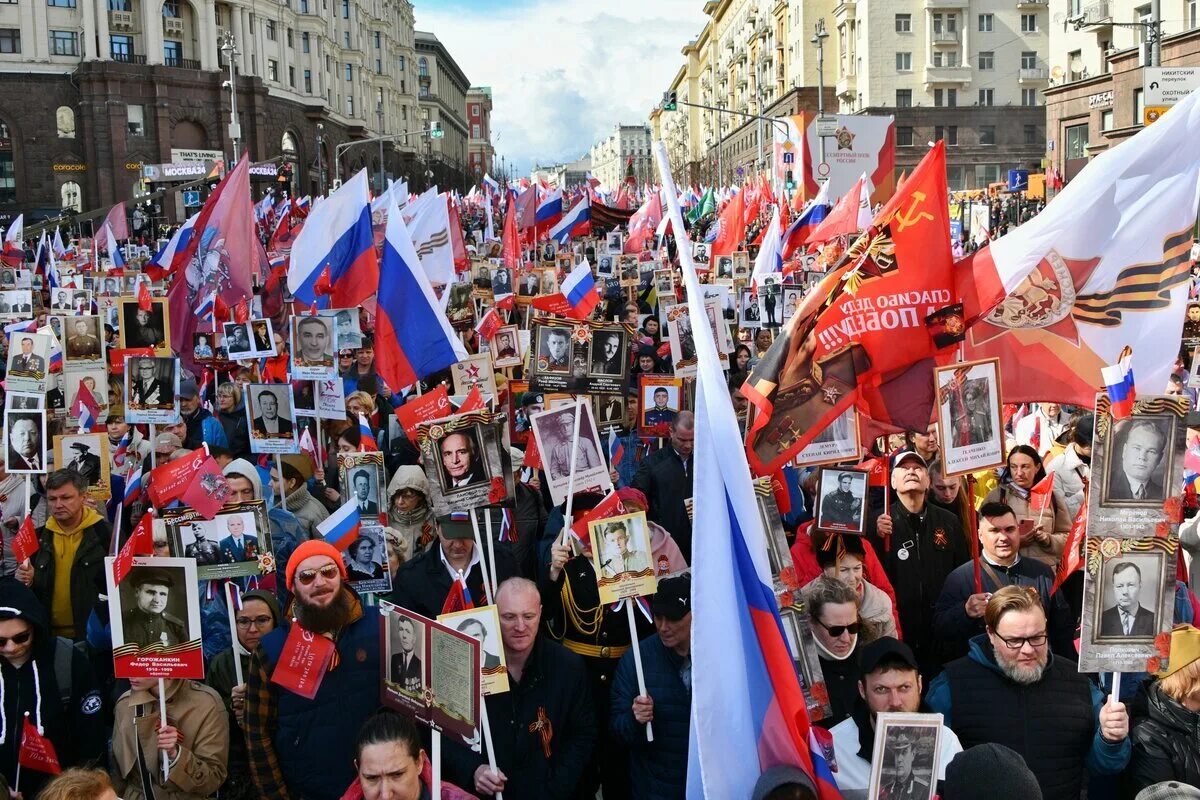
<point x="474" y="371"/>
<point x="110" y="286"/>
<point x="482" y="624"/>
<point x="431" y="672"/>
<point x="25" y="401"/>
<point x="660" y="401"/>
<point x="553" y="430"/>
<point x="724" y="268"/>
<point x="741" y="265"/>
<point x="465" y="461"/>
<point x="363" y="480"/>
<point x="76" y="378"/>
<point x="579" y="357"/>
<point x="700" y="254"/>
<point x="549" y="280"/>
<point x="505" y="347"/>
<point x="529" y="283"/>
<point x="972" y="433"/>
<point x="839" y="442"/>
<point x="366" y="561"/>
<point x="609" y="410"/>
<point x="141" y="328"/>
<point x="235" y="543"/>
<point x="28" y="362"/>
<point x="312" y="347"/>
<point x="86" y="454"/>
<point x="748" y="308"/>
<point x="460" y="308"/>
<point x="905" y="761"/>
<point x="628" y="271"/>
<point x="622" y="556"/>
<point x="155" y="619"/>
<point x="206" y="347"/>
<point x="16" y="304"/>
<point x="25" y="434"/>
<point x="62" y="300"/>
<point x="770" y="302"/>
<point x="82" y="338"/>
<point x="269" y="417"/>
<point x="347" y="329"/>
<point x="614" y="243"/>
<point x="151" y="389"/>
<point x="606" y="266"/>
<point x="841" y="500"/>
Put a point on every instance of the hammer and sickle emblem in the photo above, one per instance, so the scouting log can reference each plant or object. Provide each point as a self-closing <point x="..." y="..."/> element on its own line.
<point x="911" y="216"/>
<point x="307" y="635"/>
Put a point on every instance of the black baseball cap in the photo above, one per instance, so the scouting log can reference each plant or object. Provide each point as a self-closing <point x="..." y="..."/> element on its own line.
<point x="673" y="599"/>
<point x="881" y="648"/>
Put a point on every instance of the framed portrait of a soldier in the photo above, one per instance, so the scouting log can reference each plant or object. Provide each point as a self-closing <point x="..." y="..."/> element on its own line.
<point x="614" y="243"/>
<point x="682" y="341"/>
<point x="347" y="330"/>
<point x="969" y="423"/>
<point x="363" y="480"/>
<point x="841" y="500"/>
<point x="628" y="271"/>
<point x="269" y="417"/>
<point x="155" y="618"/>
<point x="661" y="399"/>
<point x="465" y="461"/>
<point x="82" y="338"/>
<point x="312" y="347"/>
<point x="741" y="265"/>
<point x="483" y="625"/>
<point x="25" y="435"/>
<point x="28" y="362"/>
<point x="141" y="328"/>
<point x="904" y="760"/>
<point x="838" y="443"/>
<point x="151" y="389"/>
<point x="1135" y="505"/>
<point x="87" y="454"/>
<point x="505" y="347"/>
<point x="554" y="431"/>
<point x="579" y="356"/>
<point x="235" y="543"/>
<point x="623" y="557"/>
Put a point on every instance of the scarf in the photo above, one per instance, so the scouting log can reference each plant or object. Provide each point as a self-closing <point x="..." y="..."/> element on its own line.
<point x="1011" y="487"/>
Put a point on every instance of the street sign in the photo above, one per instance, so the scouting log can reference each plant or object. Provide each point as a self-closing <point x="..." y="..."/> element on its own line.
<point x="1166" y="86"/>
<point x="823" y="170"/>
<point x="1018" y="180"/>
<point x="191" y="199"/>
<point x="827" y="126"/>
<point x="1151" y="114"/>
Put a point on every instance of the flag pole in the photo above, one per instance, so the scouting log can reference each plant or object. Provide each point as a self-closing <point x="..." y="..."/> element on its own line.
<point x="487" y="530"/>
<point x="637" y="659"/>
<point x="162" y="722"/>
<point x="435" y="784"/>
<point x="282" y="488"/>
<point x="237" y="659"/>
<point x="567" y="520"/>
<point x="487" y="739"/>
<point x="28" y="499"/>
<point x="483" y="572"/>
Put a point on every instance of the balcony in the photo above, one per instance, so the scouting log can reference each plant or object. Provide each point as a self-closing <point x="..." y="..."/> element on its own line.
<point x="1032" y="5"/>
<point x="182" y="63"/>
<point x="172" y="26"/>
<point x="1097" y="13"/>
<point x="120" y="20"/>
<point x="959" y="74"/>
<point x="129" y="58"/>
<point x="1033" y="75"/>
<point x="845" y="10"/>
<point x="937" y="4"/>
<point x="945" y="37"/>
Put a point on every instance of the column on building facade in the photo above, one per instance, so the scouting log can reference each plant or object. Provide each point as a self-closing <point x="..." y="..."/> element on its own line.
<point x="240" y="27"/>
<point x="88" y="12"/>
<point x="37" y="30"/>
<point x="152" y="30"/>
<point x="965" y="27"/>
<point x="928" y="42"/>
<point x="102" y="37"/>
<point x="208" y="36"/>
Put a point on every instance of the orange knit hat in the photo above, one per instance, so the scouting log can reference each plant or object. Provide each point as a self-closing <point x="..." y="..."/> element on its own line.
<point x="313" y="547"/>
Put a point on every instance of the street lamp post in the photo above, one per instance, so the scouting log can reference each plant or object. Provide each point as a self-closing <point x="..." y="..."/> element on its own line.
<point x="229" y="48"/>
<point x="320" y="156"/>
<point x="819" y="37"/>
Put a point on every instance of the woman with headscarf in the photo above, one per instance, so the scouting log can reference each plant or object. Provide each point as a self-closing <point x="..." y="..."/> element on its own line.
<point x="409" y="512"/>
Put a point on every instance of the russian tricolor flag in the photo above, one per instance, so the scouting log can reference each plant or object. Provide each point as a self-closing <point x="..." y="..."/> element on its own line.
<point x="576" y="297"/>
<point x="133" y="485"/>
<point x="208" y="308"/>
<point x="1118" y="379"/>
<point x="808" y="220"/>
<point x="366" y="437"/>
<point x="114" y="249"/>
<point x="173" y="250"/>
<point x="574" y="222"/>
<point x="549" y="210"/>
<point x="337" y="235"/>
<point x="413" y="337"/>
<point x="340" y="529"/>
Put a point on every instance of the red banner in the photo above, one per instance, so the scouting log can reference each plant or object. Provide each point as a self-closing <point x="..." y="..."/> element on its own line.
<point x="610" y="506"/>
<point x="37" y="752"/>
<point x="431" y="405"/>
<point x="140" y="543"/>
<point x="302" y="664"/>
<point x="25" y="543"/>
<point x="208" y="490"/>
<point x="171" y="480"/>
<point x="116" y="357"/>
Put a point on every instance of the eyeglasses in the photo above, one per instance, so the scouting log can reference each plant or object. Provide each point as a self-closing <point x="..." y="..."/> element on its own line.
<point x="328" y="572"/>
<point x="20" y="638"/>
<point x="1037" y="640"/>
<point x="257" y="622"/>
<point x="837" y="630"/>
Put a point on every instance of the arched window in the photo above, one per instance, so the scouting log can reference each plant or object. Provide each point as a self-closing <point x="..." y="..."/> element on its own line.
<point x="288" y="145"/>
<point x="65" y="119"/>
<point x="423" y="67"/>
<point x="288" y="177"/>
<point x="72" y="196"/>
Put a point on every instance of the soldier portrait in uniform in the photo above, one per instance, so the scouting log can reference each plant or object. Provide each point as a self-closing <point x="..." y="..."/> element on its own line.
<point x="28" y="358"/>
<point x="151" y="385"/>
<point x="969" y="424"/>
<point x="148" y="615"/>
<point x="84" y="340"/>
<point x="659" y="403"/>
<point x="141" y="328"/>
<point x="554" y="430"/>
<point x="554" y="349"/>
<point x="905" y="756"/>
<point x="87" y="454"/>
<point x="615" y="243"/>
<point x="198" y="544"/>
<point x="406" y="646"/>
<point x="841" y="500"/>
<point x="231" y="544"/>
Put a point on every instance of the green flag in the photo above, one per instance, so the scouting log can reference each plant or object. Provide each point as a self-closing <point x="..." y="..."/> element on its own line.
<point x="707" y="205"/>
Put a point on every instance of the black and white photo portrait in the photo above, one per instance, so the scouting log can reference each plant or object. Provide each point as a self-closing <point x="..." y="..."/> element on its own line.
<point x="554" y="349"/>
<point x="461" y="459"/>
<point x="236" y="336"/>
<point x="700" y="251"/>
<point x="153" y="382"/>
<point x="269" y="409"/>
<point x="905" y="757"/>
<point x="725" y="267"/>
<point x="154" y="607"/>
<point x="1142" y="450"/>
<point x="406" y="651"/>
<point x="608" y="353"/>
<point x="141" y="328"/>
<point x="1130" y="587"/>
<point x="84" y="338"/>
<point x="25" y="433"/>
<point x="366" y="555"/>
<point x="501" y="281"/>
<point x="842" y="500"/>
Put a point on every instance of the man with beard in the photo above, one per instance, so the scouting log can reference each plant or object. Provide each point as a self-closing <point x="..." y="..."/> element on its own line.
<point x="299" y="747"/>
<point x="1012" y="690"/>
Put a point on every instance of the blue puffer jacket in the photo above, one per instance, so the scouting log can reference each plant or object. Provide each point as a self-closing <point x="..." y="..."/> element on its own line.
<point x="658" y="769"/>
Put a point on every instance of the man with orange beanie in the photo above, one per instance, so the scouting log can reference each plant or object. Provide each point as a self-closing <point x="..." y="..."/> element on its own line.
<point x="300" y="747"/>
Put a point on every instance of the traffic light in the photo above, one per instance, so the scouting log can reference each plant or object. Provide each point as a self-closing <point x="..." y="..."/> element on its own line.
<point x="670" y="101"/>
<point x="788" y="182"/>
<point x="435" y="130"/>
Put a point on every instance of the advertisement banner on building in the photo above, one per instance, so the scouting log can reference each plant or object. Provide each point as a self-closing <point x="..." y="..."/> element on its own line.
<point x="859" y="144"/>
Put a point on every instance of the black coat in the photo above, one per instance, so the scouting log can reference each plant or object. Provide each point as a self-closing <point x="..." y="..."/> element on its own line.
<point x="1166" y="743"/>
<point x="662" y="479"/>
<point x="421" y="585"/>
<point x="87" y="572"/>
<point x="236" y="431"/>
<point x="552" y="689"/>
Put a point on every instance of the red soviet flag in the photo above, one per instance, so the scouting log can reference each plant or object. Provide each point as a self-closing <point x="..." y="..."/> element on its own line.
<point x="37" y="752"/>
<point x="25" y="543"/>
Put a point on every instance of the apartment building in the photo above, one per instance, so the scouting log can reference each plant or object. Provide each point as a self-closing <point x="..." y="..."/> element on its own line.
<point x="611" y="156"/>
<point x="442" y="96"/>
<point x="480" y="152"/>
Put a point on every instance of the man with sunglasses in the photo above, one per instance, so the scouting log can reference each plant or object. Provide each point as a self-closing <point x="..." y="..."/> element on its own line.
<point x="301" y="747"/>
<point x="1012" y="690"/>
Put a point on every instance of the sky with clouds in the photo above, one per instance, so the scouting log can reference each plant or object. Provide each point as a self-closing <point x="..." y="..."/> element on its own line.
<point x="563" y="72"/>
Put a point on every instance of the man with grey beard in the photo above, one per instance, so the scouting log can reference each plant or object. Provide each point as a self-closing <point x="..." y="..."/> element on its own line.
<point x="1012" y="690"/>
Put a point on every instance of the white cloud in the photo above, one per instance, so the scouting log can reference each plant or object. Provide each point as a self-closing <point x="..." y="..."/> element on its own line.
<point x="564" y="72"/>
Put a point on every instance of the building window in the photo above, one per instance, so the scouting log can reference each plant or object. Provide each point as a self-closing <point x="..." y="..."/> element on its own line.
<point x="904" y="98"/>
<point x="1075" y="144"/>
<point x="378" y="66"/>
<point x="904" y="62"/>
<point x="170" y="9"/>
<point x="947" y="134"/>
<point x="987" y="59"/>
<point x="304" y="42"/>
<point x="1192" y="16"/>
<point x="269" y="27"/>
<point x="1031" y="134"/>
<point x="475" y="131"/>
<point x="987" y="134"/>
<point x="378" y="40"/>
<point x="904" y="137"/>
<point x="1075" y="65"/>
<point x="423" y="67"/>
<point x="1106" y="120"/>
<point x="350" y="72"/>
<point x="985" y="23"/>
<point x="952" y="97"/>
<point x="308" y="81"/>
<point x="1029" y="97"/>
<point x="1029" y="23"/>
<point x="939" y="97"/>
<point x="292" y="77"/>
<point x="8" y="176"/>
<point x="346" y="38"/>
<point x="904" y="23"/>
<point x="272" y="70"/>
<point x="121" y="46"/>
<point x="64" y="43"/>
<point x="61" y="3"/>
<point x="252" y="23"/>
<point x="350" y="105"/>
<point x="955" y="178"/>
<point x="345" y="9"/>
<point x="10" y="40"/>
<point x="303" y="6"/>
<point x="986" y="174"/>
<point x="1139" y="107"/>
<point x="173" y="53"/>
<point x="474" y="109"/>
<point x="402" y="63"/>
<point x="119" y="5"/>
<point x="289" y="38"/>
<point x="1029" y="59"/>
<point x="135" y="120"/>
<point x="987" y="97"/>
<point x="424" y="92"/>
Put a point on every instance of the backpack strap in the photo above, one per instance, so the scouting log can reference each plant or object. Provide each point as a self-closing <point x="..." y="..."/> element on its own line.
<point x="64" y="656"/>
